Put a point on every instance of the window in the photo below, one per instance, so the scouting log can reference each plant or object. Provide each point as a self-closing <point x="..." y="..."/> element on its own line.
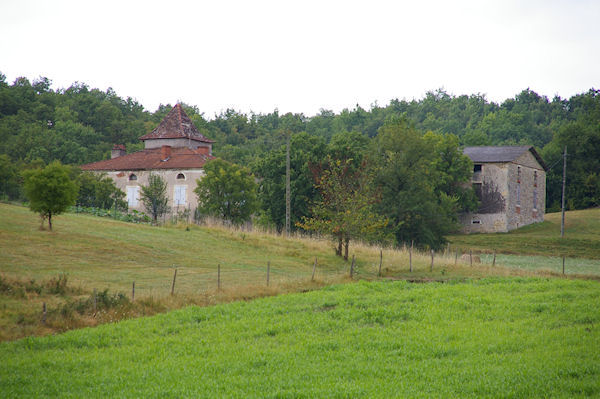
<point x="179" y="196"/>
<point x="476" y="168"/>
<point x="133" y="196"/>
<point x="535" y="178"/>
<point x="180" y="176"/>
<point x="518" y="174"/>
<point x="132" y="177"/>
<point x="475" y="221"/>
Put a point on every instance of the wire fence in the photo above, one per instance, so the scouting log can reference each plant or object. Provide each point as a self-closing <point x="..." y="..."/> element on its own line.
<point x="175" y="279"/>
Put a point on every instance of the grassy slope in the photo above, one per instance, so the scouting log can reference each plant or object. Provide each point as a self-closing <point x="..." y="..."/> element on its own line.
<point x="102" y="253"/>
<point x="493" y="338"/>
<point x="582" y="237"/>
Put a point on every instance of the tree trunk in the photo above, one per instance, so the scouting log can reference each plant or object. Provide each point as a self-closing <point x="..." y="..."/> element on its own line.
<point x="338" y="250"/>
<point x="50" y="221"/>
<point x="347" y="241"/>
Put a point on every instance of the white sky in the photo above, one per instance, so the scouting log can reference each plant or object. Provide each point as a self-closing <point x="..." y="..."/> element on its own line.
<point x="305" y="55"/>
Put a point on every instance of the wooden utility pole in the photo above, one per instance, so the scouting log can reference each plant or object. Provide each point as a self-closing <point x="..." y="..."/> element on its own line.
<point x="288" y="191"/>
<point x="562" y="223"/>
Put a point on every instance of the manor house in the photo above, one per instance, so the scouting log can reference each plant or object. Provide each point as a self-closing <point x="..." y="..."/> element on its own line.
<point x="175" y="150"/>
<point x="510" y="182"/>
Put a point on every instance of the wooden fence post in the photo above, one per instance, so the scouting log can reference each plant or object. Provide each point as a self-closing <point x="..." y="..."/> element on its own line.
<point x="431" y="268"/>
<point x="173" y="285"/>
<point x="563" y="258"/>
<point x="380" y="261"/>
<point x="219" y="277"/>
<point x="133" y="292"/>
<point x="268" y="271"/>
<point x="312" y="278"/>
<point x="352" y="268"/>
<point x="470" y="257"/>
<point x="494" y="260"/>
<point x="44" y="312"/>
<point x="456" y="258"/>
<point x="95" y="301"/>
<point x="410" y="255"/>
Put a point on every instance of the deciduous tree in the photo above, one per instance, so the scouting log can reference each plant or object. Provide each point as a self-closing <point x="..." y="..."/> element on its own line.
<point x="345" y="210"/>
<point x="154" y="197"/>
<point x="228" y="191"/>
<point x="50" y="190"/>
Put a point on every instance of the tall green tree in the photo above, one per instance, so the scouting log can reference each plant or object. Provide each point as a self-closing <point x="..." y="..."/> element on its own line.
<point x="416" y="191"/>
<point x="50" y="190"/>
<point x="227" y="191"/>
<point x="9" y="178"/>
<point x="305" y="149"/>
<point x="154" y="197"/>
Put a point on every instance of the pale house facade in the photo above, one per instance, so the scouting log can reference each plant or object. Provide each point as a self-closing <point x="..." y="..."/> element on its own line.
<point x="175" y="150"/>
<point x="510" y="183"/>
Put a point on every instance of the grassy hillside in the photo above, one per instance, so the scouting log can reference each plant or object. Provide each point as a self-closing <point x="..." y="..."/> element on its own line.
<point x="502" y="338"/>
<point x="83" y="253"/>
<point x="582" y="237"/>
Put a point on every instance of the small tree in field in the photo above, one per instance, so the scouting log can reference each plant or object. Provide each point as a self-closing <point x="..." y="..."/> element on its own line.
<point x="50" y="190"/>
<point x="228" y="191"/>
<point x="345" y="210"/>
<point x="154" y="197"/>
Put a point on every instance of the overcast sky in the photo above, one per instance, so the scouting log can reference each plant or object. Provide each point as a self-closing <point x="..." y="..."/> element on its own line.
<point x="305" y="55"/>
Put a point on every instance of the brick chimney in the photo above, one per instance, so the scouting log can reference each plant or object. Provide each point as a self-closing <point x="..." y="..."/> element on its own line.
<point x="118" y="150"/>
<point x="165" y="152"/>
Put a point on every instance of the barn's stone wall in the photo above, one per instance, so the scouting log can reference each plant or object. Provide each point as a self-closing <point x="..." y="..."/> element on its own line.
<point x="526" y="179"/>
<point x="123" y="182"/>
<point x="491" y="216"/>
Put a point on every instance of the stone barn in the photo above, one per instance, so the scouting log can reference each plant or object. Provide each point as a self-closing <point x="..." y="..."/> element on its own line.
<point x="510" y="182"/>
<point x="175" y="150"/>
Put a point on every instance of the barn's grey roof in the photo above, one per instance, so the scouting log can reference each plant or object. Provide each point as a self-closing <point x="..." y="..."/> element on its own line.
<point x="501" y="153"/>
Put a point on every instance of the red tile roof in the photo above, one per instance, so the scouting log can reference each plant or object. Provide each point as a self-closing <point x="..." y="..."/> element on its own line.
<point x="176" y="125"/>
<point x="181" y="158"/>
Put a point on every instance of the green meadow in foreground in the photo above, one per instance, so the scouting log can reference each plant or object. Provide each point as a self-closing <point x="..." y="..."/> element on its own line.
<point x="510" y="337"/>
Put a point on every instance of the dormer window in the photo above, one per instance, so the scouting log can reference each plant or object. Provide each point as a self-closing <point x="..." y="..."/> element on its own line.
<point x="132" y="177"/>
<point x="180" y="176"/>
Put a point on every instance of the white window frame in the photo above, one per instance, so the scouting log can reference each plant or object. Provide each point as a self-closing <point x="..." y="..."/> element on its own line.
<point x="177" y="200"/>
<point x="133" y="202"/>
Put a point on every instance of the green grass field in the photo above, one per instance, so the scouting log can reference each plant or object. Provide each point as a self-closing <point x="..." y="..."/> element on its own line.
<point x="500" y="338"/>
<point x="582" y="237"/>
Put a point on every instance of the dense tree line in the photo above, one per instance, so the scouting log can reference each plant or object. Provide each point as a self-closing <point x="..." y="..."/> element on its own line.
<point x="79" y="124"/>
